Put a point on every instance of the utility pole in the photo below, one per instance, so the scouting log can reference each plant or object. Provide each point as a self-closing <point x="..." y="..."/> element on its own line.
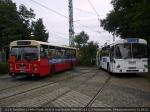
<point x="71" y="26"/>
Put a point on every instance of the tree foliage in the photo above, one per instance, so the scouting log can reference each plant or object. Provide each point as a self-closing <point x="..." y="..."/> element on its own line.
<point x="81" y="39"/>
<point x="39" y="31"/>
<point x="88" y="53"/>
<point x="129" y="18"/>
<point x="9" y="22"/>
<point x="26" y="17"/>
<point x="16" y="24"/>
<point x="87" y="50"/>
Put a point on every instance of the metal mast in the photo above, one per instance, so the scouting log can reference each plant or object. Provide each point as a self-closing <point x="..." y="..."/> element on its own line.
<point x="71" y="27"/>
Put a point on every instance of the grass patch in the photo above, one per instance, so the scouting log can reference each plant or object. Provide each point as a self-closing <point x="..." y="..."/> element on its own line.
<point x="4" y="68"/>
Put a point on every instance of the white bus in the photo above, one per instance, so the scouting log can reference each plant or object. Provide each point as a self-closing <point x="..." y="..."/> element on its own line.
<point x="124" y="56"/>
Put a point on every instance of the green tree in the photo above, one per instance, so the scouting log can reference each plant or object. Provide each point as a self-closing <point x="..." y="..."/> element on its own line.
<point x="14" y="25"/>
<point x="9" y="21"/>
<point x="88" y="53"/>
<point x="39" y="31"/>
<point x="81" y="39"/>
<point x="87" y="50"/>
<point x="26" y="17"/>
<point x="129" y="18"/>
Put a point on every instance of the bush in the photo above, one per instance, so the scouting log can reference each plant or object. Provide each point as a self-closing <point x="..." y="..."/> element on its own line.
<point x="4" y="68"/>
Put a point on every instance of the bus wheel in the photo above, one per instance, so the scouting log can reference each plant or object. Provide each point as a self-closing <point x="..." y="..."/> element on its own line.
<point x="52" y="70"/>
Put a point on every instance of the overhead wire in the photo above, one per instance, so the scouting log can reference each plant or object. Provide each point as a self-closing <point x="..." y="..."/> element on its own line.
<point x="84" y="11"/>
<point x="49" y="9"/>
<point x="93" y="8"/>
<point x="61" y="14"/>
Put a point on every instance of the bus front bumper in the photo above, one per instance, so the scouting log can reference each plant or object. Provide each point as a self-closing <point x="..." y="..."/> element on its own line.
<point x="24" y="74"/>
<point x="130" y="71"/>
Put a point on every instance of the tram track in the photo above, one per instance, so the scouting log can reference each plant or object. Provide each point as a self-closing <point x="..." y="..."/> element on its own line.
<point x="4" y="77"/>
<point x="72" y="89"/>
<point x="98" y="92"/>
<point x="14" y="86"/>
<point x="38" y="87"/>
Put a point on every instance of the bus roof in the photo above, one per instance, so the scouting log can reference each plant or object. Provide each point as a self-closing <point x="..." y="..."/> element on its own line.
<point x="131" y="40"/>
<point x="35" y="43"/>
<point x="128" y="40"/>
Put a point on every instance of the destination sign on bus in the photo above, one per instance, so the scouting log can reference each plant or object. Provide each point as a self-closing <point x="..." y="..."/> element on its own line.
<point x="133" y="40"/>
<point x="23" y="42"/>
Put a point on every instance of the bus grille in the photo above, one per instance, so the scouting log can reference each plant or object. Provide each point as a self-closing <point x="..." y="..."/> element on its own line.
<point x="132" y="70"/>
<point x="131" y="67"/>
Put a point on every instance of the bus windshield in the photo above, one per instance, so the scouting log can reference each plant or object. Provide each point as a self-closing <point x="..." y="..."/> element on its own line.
<point x="139" y="50"/>
<point x="123" y="51"/>
<point x="128" y="51"/>
<point x="25" y="53"/>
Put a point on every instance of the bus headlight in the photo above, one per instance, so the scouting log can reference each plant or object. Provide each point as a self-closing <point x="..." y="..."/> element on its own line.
<point x="35" y="70"/>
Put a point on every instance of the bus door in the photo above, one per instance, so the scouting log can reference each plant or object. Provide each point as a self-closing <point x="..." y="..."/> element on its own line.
<point x="112" y="60"/>
<point x="44" y="61"/>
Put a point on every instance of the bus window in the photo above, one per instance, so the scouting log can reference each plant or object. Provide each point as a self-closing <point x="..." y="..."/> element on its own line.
<point x="111" y="53"/>
<point x="25" y="53"/>
<point x="139" y="50"/>
<point x="59" y="52"/>
<point x="105" y="51"/>
<point x="44" y="51"/>
<point x="67" y="53"/>
<point x="123" y="51"/>
<point x="118" y="53"/>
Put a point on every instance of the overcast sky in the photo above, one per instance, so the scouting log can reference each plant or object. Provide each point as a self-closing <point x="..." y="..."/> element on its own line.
<point x="85" y="19"/>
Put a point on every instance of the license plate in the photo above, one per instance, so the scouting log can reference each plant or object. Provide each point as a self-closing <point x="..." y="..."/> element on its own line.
<point x="132" y="62"/>
<point x="22" y="71"/>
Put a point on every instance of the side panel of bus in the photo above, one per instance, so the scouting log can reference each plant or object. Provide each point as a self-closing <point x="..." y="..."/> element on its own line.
<point x="44" y="67"/>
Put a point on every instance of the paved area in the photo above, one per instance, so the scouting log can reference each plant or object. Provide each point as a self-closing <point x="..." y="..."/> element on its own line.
<point x="81" y="87"/>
